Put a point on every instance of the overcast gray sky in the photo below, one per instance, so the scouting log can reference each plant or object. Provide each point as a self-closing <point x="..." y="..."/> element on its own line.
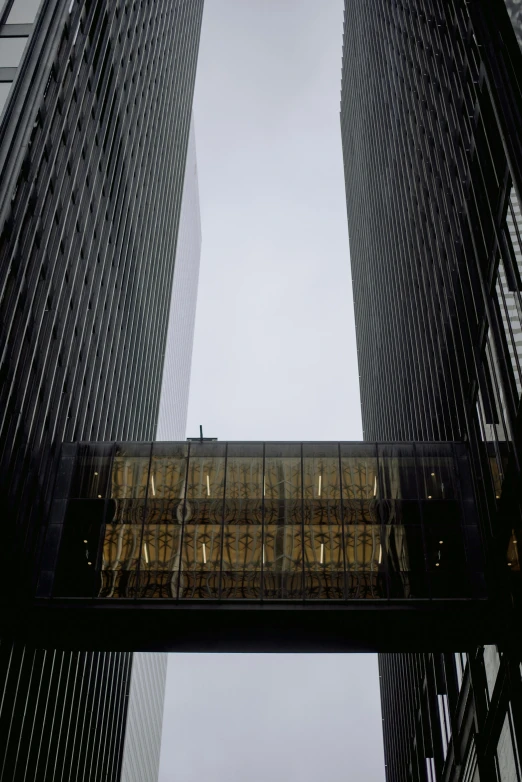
<point x="274" y="358"/>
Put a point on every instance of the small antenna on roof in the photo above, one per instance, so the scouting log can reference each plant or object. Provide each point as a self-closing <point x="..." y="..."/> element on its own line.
<point x="201" y="439"/>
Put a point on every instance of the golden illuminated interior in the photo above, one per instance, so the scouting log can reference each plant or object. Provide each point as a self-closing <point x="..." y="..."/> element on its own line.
<point x="271" y="521"/>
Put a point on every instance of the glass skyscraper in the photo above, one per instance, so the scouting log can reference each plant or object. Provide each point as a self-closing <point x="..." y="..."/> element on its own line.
<point x="141" y="752"/>
<point x="431" y="120"/>
<point x="96" y="101"/>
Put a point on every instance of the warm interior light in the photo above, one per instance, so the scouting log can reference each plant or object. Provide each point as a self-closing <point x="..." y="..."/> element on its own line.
<point x="322" y="553"/>
<point x="205" y="549"/>
<point x="432" y="474"/>
<point x="85" y="541"/>
<point x="319" y="489"/>
<point x="441" y="542"/>
<point x="437" y="564"/>
<point x="208" y="486"/>
<point x="509" y="564"/>
<point x="146" y="552"/>
<point x="89" y="563"/>
<point x="429" y="496"/>
<point x="99" y="496"/>
<point x="96" y="473"/>
<point x="152" y="484"/>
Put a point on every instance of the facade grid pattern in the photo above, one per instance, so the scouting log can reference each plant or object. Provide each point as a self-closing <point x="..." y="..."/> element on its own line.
<point x="93" y="141"/>
<point x="431" y="122"/>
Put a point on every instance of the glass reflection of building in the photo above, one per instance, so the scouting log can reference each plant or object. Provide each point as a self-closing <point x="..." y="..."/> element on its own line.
<point x="267" y="521"/>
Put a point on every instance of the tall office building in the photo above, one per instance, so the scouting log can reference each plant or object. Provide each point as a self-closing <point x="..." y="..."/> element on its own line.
<point x="431" y="119"/>
<point x="141" y="751"/>
<point x="96" y="105"/>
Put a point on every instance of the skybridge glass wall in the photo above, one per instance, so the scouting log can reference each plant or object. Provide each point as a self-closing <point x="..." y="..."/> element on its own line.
<point x="265" y="521"/>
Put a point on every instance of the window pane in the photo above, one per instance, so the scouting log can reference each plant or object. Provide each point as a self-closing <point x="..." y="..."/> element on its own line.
<point x="324" y="562"/>
<point x="5" y="89"/>
<point x="244" y="484"/>
<point x="282" y="472"/>
<point x="403" y="553"/>
<point x="201" y="558"/>
<point x="121" y="551"/>
<point x="359" y="472"/>
<point x="283" y="562"/>
<point x="242" y="555"/>
<point x="436" y="471"/>
<point x="79" y="547"/>
<point x="130" y="476"/>
<point x="160" y="560"/>
<point x="11" y="50"/>
<point x="397" y="470"/>
<point x="23" y="11"/>
<point x="400" y="511"/>
<point x="168" y="472"/>
<point x="93" y="471"/>
<point x="206" y="475"/>
<point x="508" y="762"/>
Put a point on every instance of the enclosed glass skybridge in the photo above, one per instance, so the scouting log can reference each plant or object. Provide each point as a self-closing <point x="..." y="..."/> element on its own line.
<point x="250" y="543"/>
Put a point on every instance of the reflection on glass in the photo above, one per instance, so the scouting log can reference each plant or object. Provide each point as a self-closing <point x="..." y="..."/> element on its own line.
<point x="93" y="470"/>
<point x="513" y="558"/>
<point x="397" y="472"/>
<point x="359" y="477"/>
<point x="436" y="471"/>
<point x="244" y="485"/>
<point x="283" y="562"/>
<point x="316" y="521"/>
<point x="201" y="559"/>
<point x="130" y="477"/>
<point x="160" y="560"/>
<point x="242" y="558"/>
<point x="403" y="553"/>
<point x="120" y="555"/>
<point x="168" y="475"/>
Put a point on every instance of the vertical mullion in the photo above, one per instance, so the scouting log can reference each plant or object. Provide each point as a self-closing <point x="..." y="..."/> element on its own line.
<point x="223" y="524"/>
<point x="145" y="504"/>
<point x="343" y="541"/>
<point x="183" y="518"/>
<point x="261" y="584"/>
<point x="303" y="590"/>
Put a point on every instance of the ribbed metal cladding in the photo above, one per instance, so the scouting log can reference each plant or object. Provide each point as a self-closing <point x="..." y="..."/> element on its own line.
<point x="431" y="121"/>
<point x="427" y="181"/>
<point x="92" y="155"/>
<point x="68" y="721"/>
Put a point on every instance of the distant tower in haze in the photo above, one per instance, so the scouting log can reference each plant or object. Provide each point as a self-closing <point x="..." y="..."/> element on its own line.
<point x="172" y="418"/>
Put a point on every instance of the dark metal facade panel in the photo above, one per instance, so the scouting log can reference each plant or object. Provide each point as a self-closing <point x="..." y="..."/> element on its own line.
<point x="63" y="714"/>
<point x="92" y="155"/>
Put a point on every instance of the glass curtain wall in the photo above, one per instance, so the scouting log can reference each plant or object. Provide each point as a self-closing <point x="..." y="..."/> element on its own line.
<point x="270" y="521"/>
